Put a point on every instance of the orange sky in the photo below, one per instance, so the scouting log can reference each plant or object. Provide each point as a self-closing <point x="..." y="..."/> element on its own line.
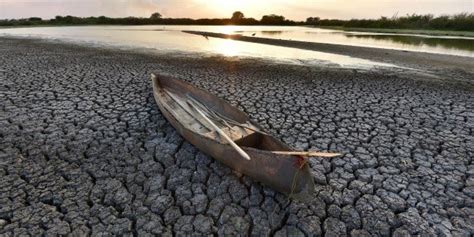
<point x="292" y="9"/>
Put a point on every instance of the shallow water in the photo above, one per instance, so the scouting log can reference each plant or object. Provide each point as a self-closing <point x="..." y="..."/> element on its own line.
<point x="453" y="45"/>
<point x="164" y="39"/>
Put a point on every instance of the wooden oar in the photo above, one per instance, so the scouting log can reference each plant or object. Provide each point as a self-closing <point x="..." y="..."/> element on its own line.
<point x="307" y="153"/>
<point x="182" y="105"/>
<point x="221" y="133"/>
<point x="224" y="118"/>
<point x="209" y="122"/>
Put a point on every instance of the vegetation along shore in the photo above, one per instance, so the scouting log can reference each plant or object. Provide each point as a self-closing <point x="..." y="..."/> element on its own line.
<point x="458" y="24"/>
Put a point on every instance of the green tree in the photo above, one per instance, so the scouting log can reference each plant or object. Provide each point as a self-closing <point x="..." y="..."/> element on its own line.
<point x="273" y="20"/>
<point x="155" y="16"/>
<point x="312" y="20"/>
<point x="35" y="19"/>
<point x="237" y="16"/>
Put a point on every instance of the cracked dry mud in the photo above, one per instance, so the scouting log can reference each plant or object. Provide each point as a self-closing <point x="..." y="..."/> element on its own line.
<point x="85" y="150"/>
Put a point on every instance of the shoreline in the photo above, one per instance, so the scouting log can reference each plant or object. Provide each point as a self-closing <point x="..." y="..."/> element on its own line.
<point x="356" y="64"/>
<point x="426" y="32"/>
<point x="85" y="150"/>
<point x="401" y="31"/>
<point x="417" y="60"/>
<point x="428" y="72"/>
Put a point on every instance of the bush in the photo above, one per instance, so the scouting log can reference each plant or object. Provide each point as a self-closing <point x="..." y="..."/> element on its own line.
<point x="462" y="21"/>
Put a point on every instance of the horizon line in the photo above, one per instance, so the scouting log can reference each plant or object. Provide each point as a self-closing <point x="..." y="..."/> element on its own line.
<point x="142" y="17"/>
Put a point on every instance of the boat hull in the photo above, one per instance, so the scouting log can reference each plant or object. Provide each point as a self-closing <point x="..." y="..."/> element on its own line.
<point x="286" y="174"/>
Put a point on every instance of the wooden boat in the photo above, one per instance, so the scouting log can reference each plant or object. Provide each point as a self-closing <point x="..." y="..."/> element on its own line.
<point x="189" y="110"/>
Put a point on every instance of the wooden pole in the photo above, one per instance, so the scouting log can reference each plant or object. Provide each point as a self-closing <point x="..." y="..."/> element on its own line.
<point x="180" y="103"/>
<point x="221" y="133"/>
<point x="307" y="153"/>
<point x="223" y="118"/>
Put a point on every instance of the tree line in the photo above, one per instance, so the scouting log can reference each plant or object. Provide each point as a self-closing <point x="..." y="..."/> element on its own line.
<point x="237" y="18"/>
<point x="462" y="21"/>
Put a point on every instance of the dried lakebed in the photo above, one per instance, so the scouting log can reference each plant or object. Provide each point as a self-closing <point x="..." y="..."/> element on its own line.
<point x="85" y="150"/>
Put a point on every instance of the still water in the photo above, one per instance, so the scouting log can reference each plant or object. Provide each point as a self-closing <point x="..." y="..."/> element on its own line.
<point x="164" y="39"/>
<point x="453" y="45"/>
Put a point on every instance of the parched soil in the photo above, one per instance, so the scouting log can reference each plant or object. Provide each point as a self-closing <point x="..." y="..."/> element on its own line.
<point x="85" y="150"/>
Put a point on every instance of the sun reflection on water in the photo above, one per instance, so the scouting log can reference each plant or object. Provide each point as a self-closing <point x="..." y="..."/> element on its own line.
<point x="173" y="40"/>
<point x="227" y="47"/>
<point x="229" y="29"/>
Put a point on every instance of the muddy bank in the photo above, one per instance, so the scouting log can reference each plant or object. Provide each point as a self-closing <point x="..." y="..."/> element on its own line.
<point x="85" y="150"/>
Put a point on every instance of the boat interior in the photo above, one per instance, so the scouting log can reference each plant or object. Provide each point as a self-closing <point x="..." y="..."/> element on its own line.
<point x="185" y="108"/>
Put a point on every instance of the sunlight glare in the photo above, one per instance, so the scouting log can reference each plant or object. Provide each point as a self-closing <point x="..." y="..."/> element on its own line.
<point x="227" y="47"/>
<point x="229" y="29"/>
